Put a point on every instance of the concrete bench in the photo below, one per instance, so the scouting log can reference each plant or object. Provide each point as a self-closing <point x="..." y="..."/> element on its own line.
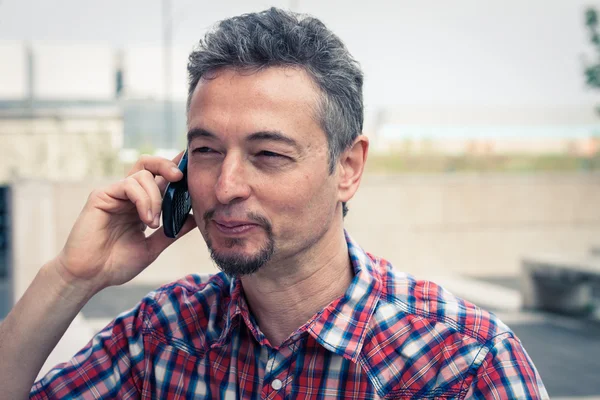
<point x="560" y="283"/>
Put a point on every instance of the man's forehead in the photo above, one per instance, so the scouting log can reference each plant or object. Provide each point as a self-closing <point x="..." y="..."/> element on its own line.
<point x="280" y="99"/>
<point x="279" y="84"/>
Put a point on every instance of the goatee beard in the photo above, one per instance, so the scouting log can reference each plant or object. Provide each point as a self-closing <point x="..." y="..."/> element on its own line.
<point x="236" y="265"/>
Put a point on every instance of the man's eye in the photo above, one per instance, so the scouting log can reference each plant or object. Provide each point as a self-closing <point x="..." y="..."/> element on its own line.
<point x="266" y="153"/>
<point x="203" y="150"/>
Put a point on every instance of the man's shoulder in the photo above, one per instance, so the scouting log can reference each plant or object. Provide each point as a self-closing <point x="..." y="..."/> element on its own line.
<point x="421" y="336"/>
<point x="183" y="310"/>
<point x="423" y="302"/>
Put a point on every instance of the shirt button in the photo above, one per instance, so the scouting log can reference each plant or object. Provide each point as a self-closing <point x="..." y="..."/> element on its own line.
<point x="276" y="384"/>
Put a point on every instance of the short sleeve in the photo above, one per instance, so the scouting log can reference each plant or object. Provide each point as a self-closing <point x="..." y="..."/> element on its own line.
<point x="111" y="365"/>
<point x="507" y="372"/>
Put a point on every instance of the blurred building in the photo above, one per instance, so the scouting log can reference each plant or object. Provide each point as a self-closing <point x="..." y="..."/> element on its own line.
<point x="144" y="125"/>
<point x="60" y="143"/>
<point x="487" y="130"/>
<point x="67" y="109"/>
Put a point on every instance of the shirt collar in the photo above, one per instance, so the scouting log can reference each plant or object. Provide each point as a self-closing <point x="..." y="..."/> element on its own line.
<point x="340" y="327"/>
<point x="236" y="309"/>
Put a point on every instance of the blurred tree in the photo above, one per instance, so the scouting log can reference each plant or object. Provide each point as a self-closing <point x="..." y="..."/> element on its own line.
<point x="592" y="72"/>
<point x="119" y="83"/>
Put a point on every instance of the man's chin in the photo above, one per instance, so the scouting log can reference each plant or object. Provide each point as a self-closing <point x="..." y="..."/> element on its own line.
<point x="234" y="246"/>
<point x="238" y="255"/>
<point x="238" y="263"/>
<point x="236" y="260"/>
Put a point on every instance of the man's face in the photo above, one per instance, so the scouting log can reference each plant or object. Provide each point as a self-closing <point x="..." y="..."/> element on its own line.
<point x="258" y="168"/>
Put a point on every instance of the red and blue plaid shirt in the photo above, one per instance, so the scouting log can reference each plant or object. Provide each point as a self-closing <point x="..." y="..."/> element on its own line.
<point x="390" y="336"/>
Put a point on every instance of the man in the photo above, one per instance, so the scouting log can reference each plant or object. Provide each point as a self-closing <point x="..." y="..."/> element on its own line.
<point x="300" y="310"/>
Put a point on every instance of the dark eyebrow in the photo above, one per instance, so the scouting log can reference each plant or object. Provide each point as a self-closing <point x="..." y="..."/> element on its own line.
<point x="254" y="137"/>
<point x="273" y="136"/>
<point x="199" y="132"/>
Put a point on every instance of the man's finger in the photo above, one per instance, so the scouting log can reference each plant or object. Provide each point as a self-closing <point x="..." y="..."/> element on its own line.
<point x="162" y="182"/>
<point x="158" y="166"/>
<point x="130" y="189"/>
<point x="147" y="181"/>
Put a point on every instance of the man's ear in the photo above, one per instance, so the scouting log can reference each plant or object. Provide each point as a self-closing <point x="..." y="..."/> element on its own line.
<point x="350" y="168"/>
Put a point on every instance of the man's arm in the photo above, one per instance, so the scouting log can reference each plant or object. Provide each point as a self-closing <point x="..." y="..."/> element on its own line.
<point x="33" y="328"/>
<point x="507" y="372"/>
<point x="107" y="246"/>
<point x="110" y="366"/>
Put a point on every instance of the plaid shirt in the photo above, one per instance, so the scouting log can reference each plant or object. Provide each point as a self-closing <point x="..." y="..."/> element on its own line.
<point x="389" y="336"/>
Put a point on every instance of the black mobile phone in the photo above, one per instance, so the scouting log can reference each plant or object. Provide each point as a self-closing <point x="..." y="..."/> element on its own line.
<point x="176" y="204"/>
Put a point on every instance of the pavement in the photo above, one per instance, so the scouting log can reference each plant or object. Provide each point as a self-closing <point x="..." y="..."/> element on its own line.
<point x="565" y="350"/>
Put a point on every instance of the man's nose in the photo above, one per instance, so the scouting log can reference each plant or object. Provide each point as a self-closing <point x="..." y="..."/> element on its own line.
<point x="232" y="183"/>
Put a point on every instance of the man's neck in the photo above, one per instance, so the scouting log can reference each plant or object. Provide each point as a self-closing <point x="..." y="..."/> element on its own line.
<point x="282" y="301"/>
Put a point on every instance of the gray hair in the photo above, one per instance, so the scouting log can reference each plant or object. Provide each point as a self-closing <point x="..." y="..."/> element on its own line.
<point x="275" y="37"/>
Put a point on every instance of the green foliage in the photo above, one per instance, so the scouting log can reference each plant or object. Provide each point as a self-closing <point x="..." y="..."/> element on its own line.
<point x="592" y="71"/>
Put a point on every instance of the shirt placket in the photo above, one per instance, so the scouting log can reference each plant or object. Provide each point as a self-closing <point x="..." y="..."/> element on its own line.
<point x="278" y="372"/>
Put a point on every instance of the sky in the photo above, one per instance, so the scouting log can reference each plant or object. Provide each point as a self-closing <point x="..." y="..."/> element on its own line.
<point x="428" y="52"/>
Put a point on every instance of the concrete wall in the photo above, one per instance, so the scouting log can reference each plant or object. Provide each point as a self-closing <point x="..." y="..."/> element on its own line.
<point x="451" y="224"/>
<point x="475" y="224"/>
<point x="33" y="233"/>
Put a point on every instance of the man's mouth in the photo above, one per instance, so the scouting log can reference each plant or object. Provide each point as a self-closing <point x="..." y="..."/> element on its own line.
<point x="234" y="227"/>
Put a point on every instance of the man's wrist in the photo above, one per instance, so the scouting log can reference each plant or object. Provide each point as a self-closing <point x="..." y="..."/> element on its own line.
<point x="63" y="286"/>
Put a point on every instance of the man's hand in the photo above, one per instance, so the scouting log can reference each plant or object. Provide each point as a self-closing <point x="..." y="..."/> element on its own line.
<point x="107" y="245"/>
